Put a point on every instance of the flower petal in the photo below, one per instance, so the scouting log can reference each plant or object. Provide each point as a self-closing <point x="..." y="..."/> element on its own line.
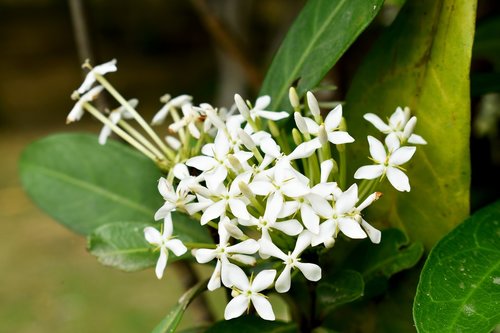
<point x="377" y="122"/>
<point x="152" y="236"/>
<point x="294" y="189"/>
<point x="401" y="155"/>
<point x="332" y="120"/>
<point x="290" y="227"/>
<point x="398" y="179"/>
<point x="249" y="246"/>
<point x="272" y="115"/>
<point x="263" y="307"/>
<point x="305" y="149"/>
<point x="214" y="282"/>
<point x="176" y="246"/>
<point x="374" y="234"/>
<point x="309" y="218"/>
<point x="203" y="163"/>
<point x="161" y="263"/>
<point x="212" y="212"/>
<point x="238" y="278"/>
<point x="340" y="137"/>
<point x="288" y="208"/>
<point x="377" y="150"/>
<point x="263" y="280"/>
<point x="312" y="272"/>
<point x="351" y="228"/>
<point x="239" y="209"/>
<point x="347" y="200"/>
<point x="369" y="172"/>
<point x="416" y="140"/>
<point x="204" y="255"/>
<point x="282" y="284"/>
<point x="261" y="187"/>
<point x="236" y="307"/>
<point x="268" y="248"/>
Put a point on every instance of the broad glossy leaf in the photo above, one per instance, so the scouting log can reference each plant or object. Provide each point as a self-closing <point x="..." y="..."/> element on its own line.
<point x="459" y="288"/>
<point x="172" y="320"/>
<point x="84" y="185"/>
<point x="343" y="287"/>
<point x="422" y="61"/>
<point x="378" y="262"/>
<point x="321" y="33"/>
<point x="252" y="324"/>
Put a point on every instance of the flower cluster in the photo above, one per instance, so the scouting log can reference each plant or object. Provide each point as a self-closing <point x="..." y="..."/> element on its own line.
<point x="271" y="197"/>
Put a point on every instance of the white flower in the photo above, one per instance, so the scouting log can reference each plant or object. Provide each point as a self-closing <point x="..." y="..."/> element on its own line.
<point x="399" y="124"/>
<point x="224" y="199"/>
<point x="259" y="109"/>
<point x="173" y="198"/>
<point x="190" y="118"/>
<point x="268" y="222"/>
<point x="346" y="217"/>
<point x="331" y="127"/>
<point x="114" y="117"/>
<point x="165" y="242"/>
<point x="77" y="111"/>
<point x="387" y="163"/>
<point x="246" y="292"/>
<point x="176" y="102"/>
<point x="102" y="69"/>
<point x="223" y="269"/>
<point x="312" y="272"/>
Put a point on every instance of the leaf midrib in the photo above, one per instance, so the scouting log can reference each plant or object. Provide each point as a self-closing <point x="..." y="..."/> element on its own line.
<point x="93" y="188"/>
<point x="305" y="53"/>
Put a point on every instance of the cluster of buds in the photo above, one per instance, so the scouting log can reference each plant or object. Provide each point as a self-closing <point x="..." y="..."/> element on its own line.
<point x="270" y="196"/>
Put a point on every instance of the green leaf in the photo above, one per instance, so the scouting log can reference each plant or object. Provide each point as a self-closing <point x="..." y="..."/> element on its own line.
<point x="343" y="287"/>
<point x="172" y="320"/>
<point x="459" y="288"/>
<point x="422" y="61"/>
<point x="252" y="324"/>
<point x="392" y="255"/>
<point x="84" y="185"/>
<point x="122" y="245"/>
<point x="321" y="33"/>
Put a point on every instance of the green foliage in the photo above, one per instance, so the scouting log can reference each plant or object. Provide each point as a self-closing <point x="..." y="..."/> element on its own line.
<point x="343" y="287"/>
<point x="422" y="61"/>
<point x="172" y="320"/>
<point x="252" y="324"/>
<point x="459" y="289"/>
<point x="84" y="185"/>
<point x="319" y="36"/>
<point x="122" y="245"/>
<point x="378" y="262"/>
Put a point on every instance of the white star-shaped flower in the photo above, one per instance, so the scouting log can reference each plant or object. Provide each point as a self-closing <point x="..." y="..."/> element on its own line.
<point x="165" y="242"/>
<point x="399" y="123"/>
<point x="224" y="251"/>
<point x="173" y="198"/>
<point x="346" y="217"/>
<point x="259" y="108"/>
<point x="312" y="272"/>
<point x="190" y="119"/>
<point x="246" y="292"/>
<point x="387" y="163"/>
<point x="331" y="127"/>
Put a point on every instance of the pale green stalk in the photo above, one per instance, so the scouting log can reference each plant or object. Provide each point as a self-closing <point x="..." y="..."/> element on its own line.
<point x="139" y="137"/>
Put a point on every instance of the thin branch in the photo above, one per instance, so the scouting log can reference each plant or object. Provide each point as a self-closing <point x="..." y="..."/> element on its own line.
<point x="227" y="42"/>
<point x="80" y="31"/>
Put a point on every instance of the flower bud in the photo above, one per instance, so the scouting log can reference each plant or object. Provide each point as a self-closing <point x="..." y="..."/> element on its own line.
<point x="297" y="138"/>
<point x="322" y="135"/>
<point x="235" y="163"/>
<point x="242" y="106"/>
<point x="301" y="123"/>
<point x="409" y="127"/>
<point x="294" y="98"/>
<point x="313" y="104"/>
<point x="246" y="139"/>
<point x="326" y="169"/>
<point x="245" y="190"/>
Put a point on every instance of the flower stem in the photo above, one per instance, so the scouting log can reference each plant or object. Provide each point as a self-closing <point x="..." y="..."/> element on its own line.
<point x="170" y="154"/>
<point x="134" y="133"/>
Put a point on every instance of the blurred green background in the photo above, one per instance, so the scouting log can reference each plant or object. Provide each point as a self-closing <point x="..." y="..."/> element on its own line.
<point x="48" y="282"/>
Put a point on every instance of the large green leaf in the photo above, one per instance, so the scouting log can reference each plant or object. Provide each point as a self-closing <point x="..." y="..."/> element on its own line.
<point x="172" y="320"/>
<point x="252" y="324"/>
<point x="84" y="185"/>
<point x="321" y="33"/>
<point x="422" y="61"/>
<point x="459" y="289"/>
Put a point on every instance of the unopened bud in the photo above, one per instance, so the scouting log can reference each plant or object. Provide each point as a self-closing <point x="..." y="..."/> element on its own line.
<point x="246" y="139"/>
<point x="297" y="138"/>
<point x="235" y="163"/>
<point x="275" y="131"/>
<point x="409" y="127"/>
<point x="245" y="190"/>
<point x="322" y="135"/>
<point x="326" y="169"/>
<point x="165" y="98"/>
<point x="313" y="104"/>
<point x="294" y="98"/>
<point x="301" y="123"/>
<point x="242" y="106"/>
